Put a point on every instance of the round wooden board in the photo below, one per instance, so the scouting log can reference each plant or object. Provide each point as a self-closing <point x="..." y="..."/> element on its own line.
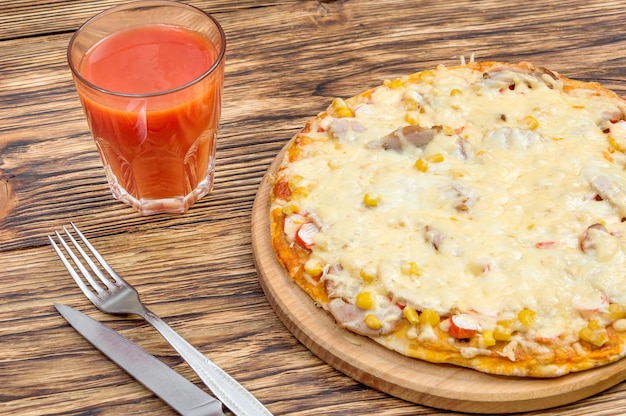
<point x="440" y="386"/>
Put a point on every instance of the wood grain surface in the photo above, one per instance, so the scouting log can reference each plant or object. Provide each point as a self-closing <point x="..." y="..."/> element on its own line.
<point x="285" y="62"/>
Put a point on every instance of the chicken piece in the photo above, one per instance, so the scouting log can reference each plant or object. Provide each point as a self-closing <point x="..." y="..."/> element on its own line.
<point x="610" y="191"/>
<point x="433" y="236"/>
<point x="463" y="197"/>
<point x="597" y="240"/>
<point x="513" y="78"/>
<point x="357" y="320"/>
<point x="416" y="136"/>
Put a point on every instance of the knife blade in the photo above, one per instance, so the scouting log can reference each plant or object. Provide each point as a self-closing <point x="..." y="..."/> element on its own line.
<point x="181" y="394"/>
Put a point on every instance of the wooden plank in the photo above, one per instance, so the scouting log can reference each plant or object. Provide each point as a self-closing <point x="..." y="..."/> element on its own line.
<point x="27" y="18"/>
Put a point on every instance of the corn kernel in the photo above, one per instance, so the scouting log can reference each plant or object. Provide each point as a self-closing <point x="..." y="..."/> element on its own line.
<point x="531" y="122"/>
<point x="455" y="91"/>
<point x="338" y="102"/>
<point x="371" y="200"/>
<point x="313" y="268"/>
<point x="411" y="315"/>
<point x="341" y="109"/>
<point x="488" y="339"/>
<point x="364" y="300"/>
<point x="617" y="311"/>
<point x="344" y="112"/>
<point x="435" y="158"/>
<point x="410" y="104"/>
<point x="421" y="165"/>
<point x="428" y="73"/>
<point x="502" y="333"/>
<point x="395" y="84"/>
<point x="411" y="117"/>
<point x="596" y="337"/>
<point x="594" y="325"/>
<point x="526" y="317"/>
<point x="429" y="317"/>
<point x="615" y="145"/>
<point x="290" y="208"/>
<point x="372" y="322"/>
<point x="411" y="268"/>
<point x="368" y="274"/>
<point x="294" y="181"/>
<point x="299" y="193"/>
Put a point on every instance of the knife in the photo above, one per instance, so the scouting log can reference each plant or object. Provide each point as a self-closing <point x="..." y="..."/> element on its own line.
<point x="181" y="394"/>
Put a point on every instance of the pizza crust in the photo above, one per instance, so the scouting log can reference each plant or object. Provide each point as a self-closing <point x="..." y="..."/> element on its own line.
<point x="503" y="340"/>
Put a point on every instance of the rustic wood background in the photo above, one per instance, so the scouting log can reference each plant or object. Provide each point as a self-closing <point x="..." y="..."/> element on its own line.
<point x="286" y="60"/>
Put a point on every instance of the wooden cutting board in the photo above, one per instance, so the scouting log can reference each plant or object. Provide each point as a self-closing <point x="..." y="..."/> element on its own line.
<point x="441" y="386"/>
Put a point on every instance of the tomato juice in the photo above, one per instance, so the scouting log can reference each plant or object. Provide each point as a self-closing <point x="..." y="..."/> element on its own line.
<point x="152" y="97"/>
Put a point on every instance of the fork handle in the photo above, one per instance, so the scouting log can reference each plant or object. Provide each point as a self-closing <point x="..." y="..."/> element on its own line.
<point x="239" y="400"/>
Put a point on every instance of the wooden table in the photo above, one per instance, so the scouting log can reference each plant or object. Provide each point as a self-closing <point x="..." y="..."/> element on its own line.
<point x="286" y="60"/>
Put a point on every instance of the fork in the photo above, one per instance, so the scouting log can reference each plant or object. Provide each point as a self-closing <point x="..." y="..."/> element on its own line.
<point x="117" y="296"/>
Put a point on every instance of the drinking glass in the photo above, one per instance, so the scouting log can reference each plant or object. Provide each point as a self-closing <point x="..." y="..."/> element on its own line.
<point x="150" y="75"/>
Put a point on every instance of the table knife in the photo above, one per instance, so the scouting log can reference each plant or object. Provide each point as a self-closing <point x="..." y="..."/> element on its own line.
<point x="181" y="394"/>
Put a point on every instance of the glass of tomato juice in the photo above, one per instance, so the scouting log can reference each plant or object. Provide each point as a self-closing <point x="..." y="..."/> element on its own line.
<point x="150" y="76"/>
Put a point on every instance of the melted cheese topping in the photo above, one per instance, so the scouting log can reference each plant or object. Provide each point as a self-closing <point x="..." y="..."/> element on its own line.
<point x="490" y="213"/>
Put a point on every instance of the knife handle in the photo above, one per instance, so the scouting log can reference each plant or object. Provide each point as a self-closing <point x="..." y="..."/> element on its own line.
<point x="232" y="394"/>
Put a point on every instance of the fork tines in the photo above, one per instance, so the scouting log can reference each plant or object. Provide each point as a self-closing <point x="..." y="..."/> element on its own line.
<point x="86" y="259"/>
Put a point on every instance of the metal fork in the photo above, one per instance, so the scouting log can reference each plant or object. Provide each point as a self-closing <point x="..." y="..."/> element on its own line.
<point x="119" y="297"/>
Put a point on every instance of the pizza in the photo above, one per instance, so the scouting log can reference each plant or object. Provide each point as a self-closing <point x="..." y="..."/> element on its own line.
<point x="472" y="215"/>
